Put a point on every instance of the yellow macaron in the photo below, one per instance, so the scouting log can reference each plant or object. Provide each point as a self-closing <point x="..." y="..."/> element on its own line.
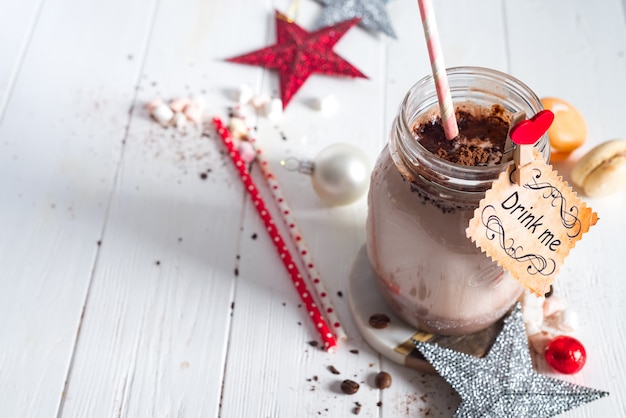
<point x="602" y="170"/>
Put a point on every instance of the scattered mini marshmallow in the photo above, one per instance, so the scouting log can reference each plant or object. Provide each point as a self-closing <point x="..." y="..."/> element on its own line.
<point x="539" y="341"/>
<point x="552" y="305"/>
<point x="244" y="94"/>
<point x="193" y="112"/>
<point x="259" y="101"/>
<point x="153" y="104"/>
<point x="274" y="110"/>
<point x="162" y="114"/>
<point x="328" y="104"/>
<point x="569" y="320"/>
<point x="179" y="104"/>
<point x="532" y="327"/>
<point x="195" y="109"/>
<point x="237" y="128"/>
<point x="180" y="120"/>
<point x="532" y="308"/>
<point x="246" y="151"/>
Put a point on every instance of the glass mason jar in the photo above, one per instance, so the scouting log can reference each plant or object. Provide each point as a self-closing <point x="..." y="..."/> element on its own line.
<point x="432" y="275"/>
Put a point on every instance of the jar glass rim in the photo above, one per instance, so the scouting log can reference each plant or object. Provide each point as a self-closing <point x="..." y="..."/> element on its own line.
<point x="407" y="115"/>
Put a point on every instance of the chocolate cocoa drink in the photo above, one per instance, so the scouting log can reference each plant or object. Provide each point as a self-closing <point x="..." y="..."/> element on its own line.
<point x="481" y="139"/>
<point x="423" y="192"/>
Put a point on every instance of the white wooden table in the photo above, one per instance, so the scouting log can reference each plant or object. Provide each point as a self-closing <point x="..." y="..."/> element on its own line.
<point x="119" y="292"/>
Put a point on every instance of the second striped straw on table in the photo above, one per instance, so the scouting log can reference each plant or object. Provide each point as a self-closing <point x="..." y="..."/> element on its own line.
<point x="303" y="251"/>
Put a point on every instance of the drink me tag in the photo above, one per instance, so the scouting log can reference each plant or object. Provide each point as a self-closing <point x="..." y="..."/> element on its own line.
<point x="530" y="219"/>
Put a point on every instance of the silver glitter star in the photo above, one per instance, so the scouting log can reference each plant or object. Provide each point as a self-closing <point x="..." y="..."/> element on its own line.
<point x="503" y="383"/>
<point x="371" y="12"/>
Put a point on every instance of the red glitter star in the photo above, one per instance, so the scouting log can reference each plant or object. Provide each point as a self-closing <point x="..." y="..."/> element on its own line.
<point x="297" y="54"/>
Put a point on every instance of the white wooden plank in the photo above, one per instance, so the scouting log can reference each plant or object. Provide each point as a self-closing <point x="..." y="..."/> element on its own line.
<point x="294" y="379"/>
<point x="154" y="337"/>
<point x="578" y="55"/>
<point x="17" y="21"/>
<point x="60" y="143"/>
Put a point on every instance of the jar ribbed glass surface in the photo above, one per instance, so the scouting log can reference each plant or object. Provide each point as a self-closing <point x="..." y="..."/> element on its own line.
<point x="431" y="274"/>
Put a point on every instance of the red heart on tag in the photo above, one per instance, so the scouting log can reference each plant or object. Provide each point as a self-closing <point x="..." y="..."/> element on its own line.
<point x="527" y="132"/>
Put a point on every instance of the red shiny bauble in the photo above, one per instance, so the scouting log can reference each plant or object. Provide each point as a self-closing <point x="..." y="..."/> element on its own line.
<point x="566" y="354"/>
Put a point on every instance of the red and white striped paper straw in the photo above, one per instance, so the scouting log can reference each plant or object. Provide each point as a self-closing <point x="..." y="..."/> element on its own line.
<point x="298" y="240"/>
<point x="328" y="339"/>
<point x="446" y="107"/>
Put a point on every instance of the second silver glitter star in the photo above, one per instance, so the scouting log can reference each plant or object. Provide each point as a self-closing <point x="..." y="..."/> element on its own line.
<point x="372" y="13"/>
<point x="503" y="383"/>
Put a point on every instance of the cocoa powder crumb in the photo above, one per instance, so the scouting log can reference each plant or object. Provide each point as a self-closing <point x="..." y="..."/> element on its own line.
<point x="480" y="141"/>
<point x="333" y="370"/>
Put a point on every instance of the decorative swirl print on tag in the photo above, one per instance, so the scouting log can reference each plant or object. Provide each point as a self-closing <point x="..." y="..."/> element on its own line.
<point x="569" y="215"/>
<point x="494" y="230"/>
<point x="530" y="219"/>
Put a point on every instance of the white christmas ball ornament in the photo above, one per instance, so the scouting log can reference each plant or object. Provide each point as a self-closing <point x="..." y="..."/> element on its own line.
<point x="341" y="174"/>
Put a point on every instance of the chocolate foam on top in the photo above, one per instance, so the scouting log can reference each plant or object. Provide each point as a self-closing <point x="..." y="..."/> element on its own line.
<point x="482" y="135"/>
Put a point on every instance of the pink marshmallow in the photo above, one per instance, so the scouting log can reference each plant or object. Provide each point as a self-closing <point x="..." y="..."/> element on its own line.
<point x="153" y="104"/>
<point x="552" y="305"/>
<point x="246" y="150"/>
<point x="179" y="104"/>
<point x="540" y="341"/>
<point x="193" y="112"/>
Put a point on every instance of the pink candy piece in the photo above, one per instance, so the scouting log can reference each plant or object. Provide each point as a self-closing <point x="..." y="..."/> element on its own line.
<point x="246" y="150"/>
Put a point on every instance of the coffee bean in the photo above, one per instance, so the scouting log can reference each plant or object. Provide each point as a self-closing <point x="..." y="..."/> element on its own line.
<point x="383" y="380"/>
<point x="349" y="387"/>
<point x="379" y="321"/>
